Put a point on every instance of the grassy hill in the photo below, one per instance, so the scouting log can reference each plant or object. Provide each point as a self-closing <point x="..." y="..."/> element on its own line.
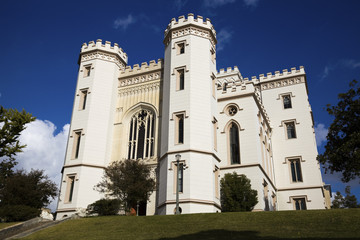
<point x="315" y="224"/>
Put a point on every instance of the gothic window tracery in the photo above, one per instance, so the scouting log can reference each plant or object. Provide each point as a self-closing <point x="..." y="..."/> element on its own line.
<point x="141" y="135"/>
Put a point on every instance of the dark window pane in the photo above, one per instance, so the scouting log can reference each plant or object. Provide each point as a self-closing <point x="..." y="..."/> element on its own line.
<point x="72" y="179"/>
<point x="141" y="138"/>
<point x="287" y="101"/>
<point x="293" y="172"/>
<point x="298" y="171"/>
<point x="78" y="145"/>
<point x="234" y="145"/>
<point x="182" y="80"/>
<point x="181" y="129"/>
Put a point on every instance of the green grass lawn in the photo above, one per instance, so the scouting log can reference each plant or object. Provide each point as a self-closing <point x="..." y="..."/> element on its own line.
<point x="4" y="225"/>
<point x="315" y="224"/>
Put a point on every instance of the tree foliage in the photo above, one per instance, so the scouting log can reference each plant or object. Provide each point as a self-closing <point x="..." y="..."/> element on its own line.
<point x="129" y="181"/>
<point x="12" y="123"/>
<point x="236" y="193"/>
<point x="33" y="189"/>
<point x="349" y="201"/>
<point x="104" y="207"/>
<point x="342" y="151"/>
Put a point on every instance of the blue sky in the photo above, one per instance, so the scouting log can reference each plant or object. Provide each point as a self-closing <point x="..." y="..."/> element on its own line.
<point x="41" y="41"/>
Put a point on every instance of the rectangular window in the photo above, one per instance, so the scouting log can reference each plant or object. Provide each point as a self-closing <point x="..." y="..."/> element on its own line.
<point x="181" y="177"/>
<point x="290" y="130"/>
<point x="76" y="146"/>
<point x="179" y="128"/>
<point x="299" y="203"/>
<point x="180" y="48"/>
<point x="213" y="83"/>
<point x="180" y="79"/>
<point x="295" y="170"/>
<point x="87" y="70"/>
<point x="83" y="97"/>
<point x="287" y="101"/>
<point x="212" y="55"/>
<point x="69" y="189"/>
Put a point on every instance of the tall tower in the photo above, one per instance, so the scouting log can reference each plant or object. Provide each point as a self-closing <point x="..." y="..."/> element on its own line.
<point x="88" y="149"/>
<point x="189" y="118"/>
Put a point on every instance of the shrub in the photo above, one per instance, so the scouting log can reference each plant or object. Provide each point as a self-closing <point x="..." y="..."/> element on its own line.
<point x="236" y="193"/>
<point x="15" y="213"/>
<point x="104" y="207"/>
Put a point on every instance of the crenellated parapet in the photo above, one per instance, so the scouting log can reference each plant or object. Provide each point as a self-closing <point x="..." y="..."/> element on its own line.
<point x="107" y="52"/>
<point x="280" y="79"/>
<point x="190" y="26"/>
<point x="143" y="73"/>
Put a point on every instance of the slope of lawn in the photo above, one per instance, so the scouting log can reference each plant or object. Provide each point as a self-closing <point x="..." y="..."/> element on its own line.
<point x="4" y="225"/>
<point x="315" y="224"/>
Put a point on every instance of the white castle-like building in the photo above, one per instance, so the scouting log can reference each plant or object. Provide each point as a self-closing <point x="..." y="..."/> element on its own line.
<point x="218" y="121"/>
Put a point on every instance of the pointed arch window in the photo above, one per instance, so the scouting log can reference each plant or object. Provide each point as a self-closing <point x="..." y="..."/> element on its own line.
<point x="234" y="144"/>
<point x="141" y="136"/>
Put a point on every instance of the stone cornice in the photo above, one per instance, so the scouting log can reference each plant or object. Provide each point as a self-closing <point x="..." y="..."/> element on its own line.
<point x="140" y="87"/>
<point x="281" y="83"/>
<point x="102" y="55"/>
<point x="190" y="30"/>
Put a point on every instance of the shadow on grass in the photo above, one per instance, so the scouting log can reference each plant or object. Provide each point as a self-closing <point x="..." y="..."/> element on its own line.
<point x="234" y="235"/>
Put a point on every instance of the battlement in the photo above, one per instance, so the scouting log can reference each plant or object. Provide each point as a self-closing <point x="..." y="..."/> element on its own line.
<point x="98" y="45"/>
<point x="182" y="21"/>
<point x="143" y="68"/>
<point x="278" y="75"/>
<point x="229" y="70"/>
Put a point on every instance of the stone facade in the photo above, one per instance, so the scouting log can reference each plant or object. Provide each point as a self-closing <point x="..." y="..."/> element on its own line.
<point x="218" y="121"/>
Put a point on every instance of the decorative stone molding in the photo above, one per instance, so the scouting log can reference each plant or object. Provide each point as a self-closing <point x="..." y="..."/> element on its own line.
<point x="282" y="83"/>
<point x="103" y="56"/>
<point x="140" y="79"/>
<point x="144" y="87"/>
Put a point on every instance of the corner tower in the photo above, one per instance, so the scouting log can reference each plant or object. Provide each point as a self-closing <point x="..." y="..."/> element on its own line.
<point x="189" y="122"/>
<point x="89" y="144"/>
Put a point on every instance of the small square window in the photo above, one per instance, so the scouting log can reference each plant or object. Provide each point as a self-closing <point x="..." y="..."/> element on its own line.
<point x="287" y="101"/>
<point x="87" y="70"/>
<point x="180" y="48"/>
<point x="290" y="130"/>
<point x="299" y="203"/>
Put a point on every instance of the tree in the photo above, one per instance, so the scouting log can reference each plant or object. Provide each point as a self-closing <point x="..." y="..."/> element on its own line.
<point x="129" y="181"/>
<point x="24" y="194"/>
<point x="350" y="201"/>
<point x="236" y="193"/>
<point x="33" y="189"/>
<point x="12" y="123"/>
<point x="342" y="151"/>
<point x="338" y="201"/>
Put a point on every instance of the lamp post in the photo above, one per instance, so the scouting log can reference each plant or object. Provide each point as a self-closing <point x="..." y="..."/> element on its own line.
<point x="177" y="156"/>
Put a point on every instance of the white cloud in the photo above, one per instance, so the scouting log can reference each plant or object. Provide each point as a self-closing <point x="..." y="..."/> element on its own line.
<point x="223" y="36"/>
<point x="217" y="3"/>
<point x="45" y="150"/>
<point x="320" y="133"/>
<point x="251" y="3"/>
<point x="342" y="63"/>
<point x="179" y="4"/>
<point x="124" y="22"/>
<point x="350" y="63"/>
